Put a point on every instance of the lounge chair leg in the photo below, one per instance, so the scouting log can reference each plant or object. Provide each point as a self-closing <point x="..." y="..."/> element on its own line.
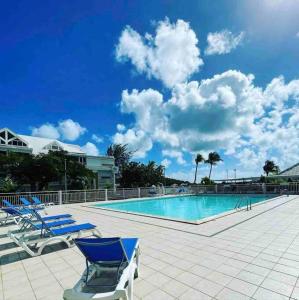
<point x="136" y="275"/>
<point x="59" y="239"/>
<point x="96" y="232"/>
<point x="28" y="250"/>
<point x="130" y="285"/>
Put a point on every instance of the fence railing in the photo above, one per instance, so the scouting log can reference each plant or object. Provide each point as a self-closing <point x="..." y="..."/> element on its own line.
<point x="82" y="196"/>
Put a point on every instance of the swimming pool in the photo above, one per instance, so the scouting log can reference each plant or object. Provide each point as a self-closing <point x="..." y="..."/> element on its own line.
<point x="184" y="208"/>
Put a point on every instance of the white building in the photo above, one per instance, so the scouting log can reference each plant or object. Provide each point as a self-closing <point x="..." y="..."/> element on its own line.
<point x="103" y="166"/>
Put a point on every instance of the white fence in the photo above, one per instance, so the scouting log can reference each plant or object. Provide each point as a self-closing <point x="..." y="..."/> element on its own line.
<point x="81" y="196"/>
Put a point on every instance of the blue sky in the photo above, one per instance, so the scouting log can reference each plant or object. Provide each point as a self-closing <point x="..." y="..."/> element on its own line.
<point x="170" y="78"/>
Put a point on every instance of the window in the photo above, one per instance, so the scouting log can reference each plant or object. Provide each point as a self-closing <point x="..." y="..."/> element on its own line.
<point x="106" y="174"/>
<point x="82" y="160"/>
<point x="53" y="147"/>
<point x="107" y="165"/>
<point x="2" y="134"/>
<point x="9" y="135"/>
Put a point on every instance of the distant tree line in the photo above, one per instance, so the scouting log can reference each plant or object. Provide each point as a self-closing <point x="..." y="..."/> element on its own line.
<point x="137" y="174"/>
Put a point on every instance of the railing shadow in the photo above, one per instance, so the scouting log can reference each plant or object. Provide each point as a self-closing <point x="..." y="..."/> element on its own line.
<point x="23" y="255"/>
<point x="7" y="246"/>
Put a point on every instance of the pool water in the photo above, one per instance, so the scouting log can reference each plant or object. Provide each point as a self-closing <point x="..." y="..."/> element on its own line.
<point x="186" y="208"/>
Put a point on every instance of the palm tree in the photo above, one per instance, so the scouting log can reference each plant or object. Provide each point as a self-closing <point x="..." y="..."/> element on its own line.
<point x="270" y="167"/>
<point x="213" y="159"/>
<point x="198" y="159"/>
<point x="120" y="153"/>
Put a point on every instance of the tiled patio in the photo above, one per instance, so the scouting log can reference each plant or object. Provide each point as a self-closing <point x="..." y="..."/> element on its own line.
<point x="253" y="259"/>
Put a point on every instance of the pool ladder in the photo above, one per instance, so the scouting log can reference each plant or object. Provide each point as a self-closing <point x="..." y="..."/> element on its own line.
<point x="240" y="201"/>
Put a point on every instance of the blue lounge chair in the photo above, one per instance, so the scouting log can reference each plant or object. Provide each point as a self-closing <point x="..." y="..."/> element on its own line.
<point x="9" y="215"/>
<point x="19" y="214"/>
<point x="38" y="203"/>
<point x="118" y="257"/>
<point x="9" y="204"/>
<point x="27" y="203"/>
<point x="29" y="241"/>
<point x="29" y="224"/>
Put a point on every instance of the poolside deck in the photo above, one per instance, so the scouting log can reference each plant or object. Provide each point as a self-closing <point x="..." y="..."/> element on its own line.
<point x="248" y="255"/>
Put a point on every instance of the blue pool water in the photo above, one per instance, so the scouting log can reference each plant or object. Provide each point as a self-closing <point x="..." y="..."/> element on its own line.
<point x="187" y="208"/>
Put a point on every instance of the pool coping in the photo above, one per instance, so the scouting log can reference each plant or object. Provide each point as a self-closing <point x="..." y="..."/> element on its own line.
<point x="196" y="222"/>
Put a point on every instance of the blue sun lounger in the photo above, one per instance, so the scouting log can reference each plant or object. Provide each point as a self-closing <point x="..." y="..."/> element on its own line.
<point x="119" y="256"/>
<point x="38" y="203"/>
<point x="27" y="203"/>
<point x="30" y="224"/>
<point x="29" y="241"/>
<point x="18" y="214"/>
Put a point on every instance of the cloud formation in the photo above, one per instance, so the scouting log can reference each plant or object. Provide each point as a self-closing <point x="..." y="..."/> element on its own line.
<point x="178" y="155"/>
<point x="170" y="55"/>
<point x="226" y="112"/>
<point x="166" y="163"/>
<point x="223" y="42"/>
<point x="68" y="130"/>
<point x="121" y="127"/>
<point x="137" y="140"/>
<point x="46" y="130"/>
<point x="90" y="149"/>
<point x="97" y="138"/>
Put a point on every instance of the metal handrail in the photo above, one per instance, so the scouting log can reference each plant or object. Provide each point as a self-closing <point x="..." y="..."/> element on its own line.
<point x="248" y="203"/>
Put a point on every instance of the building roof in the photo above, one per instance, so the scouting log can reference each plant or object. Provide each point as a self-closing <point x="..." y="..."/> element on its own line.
<point x="291" y="171"/>
<point x="43" y="145"/>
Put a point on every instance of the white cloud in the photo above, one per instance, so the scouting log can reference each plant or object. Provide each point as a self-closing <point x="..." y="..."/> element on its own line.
<point x="174" y="154"/>
<point x="90" y="149"/>
<point x="183" y="175"/>
<point x="137" y="140"/>
<point x="97" y="138"/>
<point x="66" y="129"/>
<point x="171" y="54"/>
<point x="70" y="130"/>
<point x="121" y="127"/>
<point x="224" y="113"/>
<point x="46" y="130"/>
<point x="222" y="42"/>
<point x="166" y="162"/>
<point x="297" y="34"/>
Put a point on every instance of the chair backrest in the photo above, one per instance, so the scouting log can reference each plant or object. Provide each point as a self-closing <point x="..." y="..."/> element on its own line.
<point x="25" y="201"/>
<point x="10" y="210"/>
<point x="102" y="250"/>
<point x="36" y="200"/>
<point x="7" y="203"/>
<point x="44" y="228"/>
<point x="15" y="210"/>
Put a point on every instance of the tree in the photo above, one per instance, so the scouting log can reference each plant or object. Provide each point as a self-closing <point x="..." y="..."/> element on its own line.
<point x="39" y="170"/>
<point x="270" y="167"/>
<point x="199" y="158"/>
<point x="120" y="153"/>
<point x="213" y="159"/>
<point x="207" y="181"/>
<point x="136" y="174"/>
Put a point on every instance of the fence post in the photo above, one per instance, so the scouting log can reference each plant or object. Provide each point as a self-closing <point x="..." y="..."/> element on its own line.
<point x="106" y="195"/>
<point x="124" y="194"/>
<point x="85" y="196"/>
<point x="216" y="188"/>
<point x="60" y="197"/>
<point x="139" y="192"/>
